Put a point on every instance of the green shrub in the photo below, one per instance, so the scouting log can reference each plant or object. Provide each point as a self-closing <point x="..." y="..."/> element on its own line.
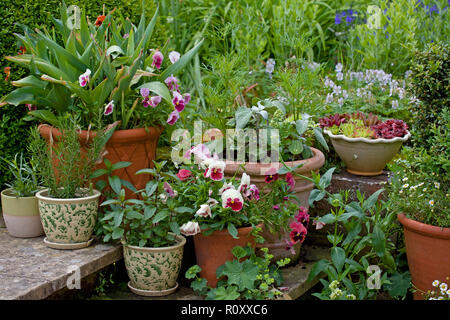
<point x="431" y="85"/>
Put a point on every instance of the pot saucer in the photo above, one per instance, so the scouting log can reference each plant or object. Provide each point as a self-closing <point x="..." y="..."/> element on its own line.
<point x="68" y="246"/>
<point x="150" y="293"/>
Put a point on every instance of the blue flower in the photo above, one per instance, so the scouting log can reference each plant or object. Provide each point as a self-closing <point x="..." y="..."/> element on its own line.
<point x="337" y="19"/>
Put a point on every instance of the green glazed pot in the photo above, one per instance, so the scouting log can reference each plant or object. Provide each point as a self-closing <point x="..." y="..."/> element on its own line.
<point x="154" y="271"/>
<point x="21" y="215"/>
<point x="68" y="223"/>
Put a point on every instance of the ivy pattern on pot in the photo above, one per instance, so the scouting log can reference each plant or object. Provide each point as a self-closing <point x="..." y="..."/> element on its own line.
<point x="68" y="222"/>
<point x="153" y="270"/>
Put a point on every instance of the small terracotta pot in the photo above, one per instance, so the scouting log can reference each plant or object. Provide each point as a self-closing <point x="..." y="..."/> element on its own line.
<point x="274" y="242"/>
<point x="21" y="215"/>
<point x="366" y="157"/>
<point x="154" y="271"/>
<point x="137" y="146"/>
<point x="214" y="250"/>
<point x="68" y="223"/>
<point x="428" y="253"/>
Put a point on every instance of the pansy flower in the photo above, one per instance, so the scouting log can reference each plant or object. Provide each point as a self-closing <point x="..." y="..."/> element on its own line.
<point x="109" y="108"/>
<point x="184" y="174"/>
<point x="232" y="199"/>
<point x="245" y="183"/>
<point x="204" y="211"/>
<point x="298" y="232"/>
<point x="302" y="216"/>
<point x="173" y="117"/>
<point x="215" y="170"/>
<point x="178" y="101"/>
<point x="168" y="188"/>
<point x="252" y="193"/>
<point x="157" y="59"/>
<point x="84" y="78"/>
<point x="172" y="83"/>
<point x="190" y="229"/>
<point x="290" y="180"/>
<point x="271" y="177"/>
<point x="174" y="56"/>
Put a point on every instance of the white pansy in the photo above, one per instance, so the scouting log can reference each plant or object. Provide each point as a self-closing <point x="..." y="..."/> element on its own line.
<point x="190" y="229"/>
<point x="204" y="211"/>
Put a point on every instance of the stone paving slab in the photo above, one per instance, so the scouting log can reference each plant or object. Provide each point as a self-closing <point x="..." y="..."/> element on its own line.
<point x="294" y="281"/>
<point x="31" y="270"/>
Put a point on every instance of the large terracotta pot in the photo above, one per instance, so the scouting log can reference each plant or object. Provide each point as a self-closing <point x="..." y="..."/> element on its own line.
<point x="154" y="271"/>
<point x="366" y="157"/>
<point x="137" y="146"/>
<point x="214" y="250"/>
<point x="68" y="223"/>
<point x="21" y="215"/>
<point x="275" y="242"/>
<point x="428" y="253"/>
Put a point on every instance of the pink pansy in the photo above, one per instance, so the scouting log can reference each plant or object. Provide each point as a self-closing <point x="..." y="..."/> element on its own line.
<point x="187" y="98"/>
<point x="84" y="78"/>
<point x="145" y="92"/>
<point x="204" y="211"/>
<point x="190" y="229"/>
<point x="174" y="56"/>
<point x="109" y="108"/>
<point x="157" y="59"/>
<point x="215" y="170"/>
<point x="319" y="225"/>
<point x="31" y="107"/>
<point x="290" y="246"/>
<point x="245" y="183"/>
<point x="302" y="216"/>
<point x="252" y="193"/>
<point x="276" y="207"/>
<point x="178" y="101"/>
<point x="232" y="199"/>
<point x="173" y="117"/>
<point x="271" y="177"/>
<point x="169" y="189"/>
<point x="172" y="83"/>
<point x="200" y="151"/>
<point x="290" y="180"/>
<point x="154" y="101"/>
<point x="184" y="174"/>
<point x="298" y="233"/>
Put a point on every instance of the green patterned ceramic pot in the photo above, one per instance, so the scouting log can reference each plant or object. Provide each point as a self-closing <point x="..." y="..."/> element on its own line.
<point x="68" y="223"/>
<point x="154" y="271"/>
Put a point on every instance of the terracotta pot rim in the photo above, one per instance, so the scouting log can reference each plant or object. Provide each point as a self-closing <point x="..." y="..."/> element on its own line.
<point x="125" y="135"/>
<point x="423" y="228"/>
<point x="365" y="140"/>
<point x="41" y="197"/>
<point x="241" y="230"/>
<point x="181" y="243"/>
<point x="311" y="164"/>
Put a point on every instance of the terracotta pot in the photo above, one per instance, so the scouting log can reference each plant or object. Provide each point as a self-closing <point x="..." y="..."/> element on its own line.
<point x="366" y="157"/>
<point x="214" y="250"/>
<point x="154" y="271"/>
<point x="21" y="215"/>
<point x="68" y="223"/>
<point x="137" y="146"/>
<point x="428" y="253"/>
<point x="256" y="171"/>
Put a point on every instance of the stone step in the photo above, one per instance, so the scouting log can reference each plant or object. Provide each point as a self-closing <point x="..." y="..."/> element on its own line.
<point x="31" y="270"/>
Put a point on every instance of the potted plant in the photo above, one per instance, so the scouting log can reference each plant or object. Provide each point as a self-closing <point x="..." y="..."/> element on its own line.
<point x="363" y="142"/>
<point x="296" y="135"/>
<point x="149" y="231"/>
<point x="19" y="202"/>
<point x="223" y="214"/>
<point x="68" y="206"/>
<point x="419" y="188"/>
<point x="106" y="73"/>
